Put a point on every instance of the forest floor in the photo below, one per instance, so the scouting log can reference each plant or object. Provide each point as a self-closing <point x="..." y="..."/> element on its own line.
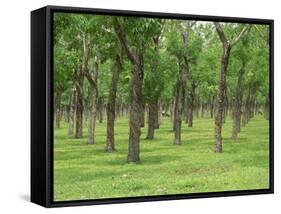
<point x="84" y="171"/>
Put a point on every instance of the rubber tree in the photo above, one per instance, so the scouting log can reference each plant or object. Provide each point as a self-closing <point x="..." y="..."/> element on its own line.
<point x="63" y="64"/>
<point x="134" y="36"/>
<point x="241" y="56"/>
<point x="227" y="44"/>
<point x="111" y="110"/>
<point x="179" y="47"/>
<point x="154" y="83"/>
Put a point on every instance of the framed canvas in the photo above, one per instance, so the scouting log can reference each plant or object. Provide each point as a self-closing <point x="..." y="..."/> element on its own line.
<point x="130" y="106"/>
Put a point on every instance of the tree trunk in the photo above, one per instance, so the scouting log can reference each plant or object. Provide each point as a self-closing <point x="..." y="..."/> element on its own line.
<point x="136" y="109"/>
<point x="212" y="107"/>
<point x="222" y="83"/>
<point x="196" y="107"/>
<point x="191" y="104"/>
<point x="93" y="96"/>
<point x="160" y="109"/>
<point x="181" y="84"/>
<point x="72" y="111"/>
<point x="179" y="103"/>
<point x="136" y="114"/>
<point x="142" y="121"/>
<point x="173" y="111"/>
<point x="246" y="112"/>
<point x="237" y="105"/>
<point x="79" y="106"/>
<point x="79" y="81"/>
<point x="92" y="114"/>
<point x="110" y="145"/>
<point x="152" y="119"/>
<point x="220" y="98"/>
<point x="58" y="109"/>
<point x="100" y="108"/>
<point x="266" y="108"/>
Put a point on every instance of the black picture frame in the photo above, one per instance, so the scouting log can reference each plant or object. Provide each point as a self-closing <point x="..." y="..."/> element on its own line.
<point x="42" y="102"/>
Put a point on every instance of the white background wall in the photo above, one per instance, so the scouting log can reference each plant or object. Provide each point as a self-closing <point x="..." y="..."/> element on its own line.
<point x="15" y="106"/>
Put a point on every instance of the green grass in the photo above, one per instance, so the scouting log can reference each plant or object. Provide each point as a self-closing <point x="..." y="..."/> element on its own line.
<point x="84" y="171"/>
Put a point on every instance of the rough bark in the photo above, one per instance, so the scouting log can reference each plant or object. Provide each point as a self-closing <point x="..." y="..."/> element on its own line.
<point x="136" y="114"/>
<point x="110" y="144"/>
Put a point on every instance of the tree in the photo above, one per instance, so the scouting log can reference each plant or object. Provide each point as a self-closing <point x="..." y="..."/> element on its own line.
<point x="140" y="33"/>
<point x="110" y="144"/>
<point x="154" y="83"/>
<point x="179" y="48"/>
<point x="227" y="45"/>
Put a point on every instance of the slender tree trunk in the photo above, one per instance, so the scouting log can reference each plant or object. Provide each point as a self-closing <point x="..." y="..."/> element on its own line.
<point x="191" y="104"/>
<point x="142" y="121"/>
<point x="246" y="112"/>
<point x="212" y="107"/>
<point x="65" y="113"/>
<point x="179" y="103"/>
<point x="92" y="114"/>
<point x="196" y="107"/>
<point x="159" y="115"/>
<point x="92" y="77"/>
<point x="152" y="119"/>
<point x="79" y="106"/>
<point x="173" y="111"/>
<point x="100" y="108"/>
<point x="220" y="98"/>
<point x="79" y="80"/>
<point x="181" y="84"/>
<point x="110" y="144"/>
<point x="225" y="104"/>
<point x="266" y="108"/>
<point x="58" y="108"/>
<point x="72" y="110"/>
<point x="186" y="109"/>
<point x="237" y="105"/>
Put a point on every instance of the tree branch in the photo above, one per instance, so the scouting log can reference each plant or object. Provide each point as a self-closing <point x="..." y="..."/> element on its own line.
<point x="122" y="38"/>
<point x="243" y="32"/>
<point x="220" y="32"/>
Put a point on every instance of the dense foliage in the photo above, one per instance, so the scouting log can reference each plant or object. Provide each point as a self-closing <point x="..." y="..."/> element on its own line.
<point x="107" y="67"/>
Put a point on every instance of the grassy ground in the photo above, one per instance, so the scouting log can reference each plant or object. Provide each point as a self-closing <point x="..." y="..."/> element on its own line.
<point x="84" y="171"/>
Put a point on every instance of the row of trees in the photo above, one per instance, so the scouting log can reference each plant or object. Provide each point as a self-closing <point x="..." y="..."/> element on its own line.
<point x="128" y="65"/>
